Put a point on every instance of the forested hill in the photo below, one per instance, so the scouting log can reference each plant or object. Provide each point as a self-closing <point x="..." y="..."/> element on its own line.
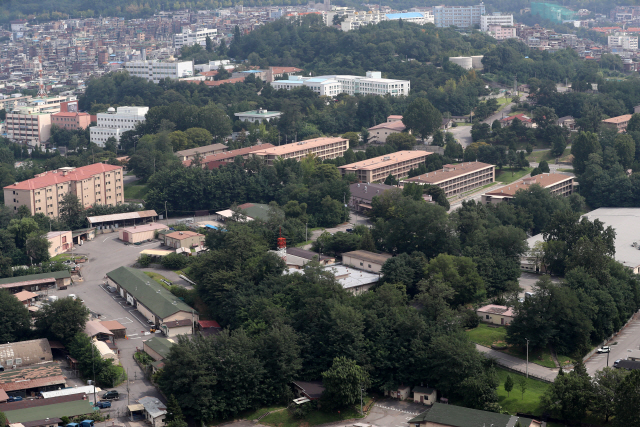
<point x="311" y="45"/>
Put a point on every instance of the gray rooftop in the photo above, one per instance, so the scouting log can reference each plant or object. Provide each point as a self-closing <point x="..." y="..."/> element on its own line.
<point x="153" y="406"/>
<point x="348" y="277"/>
<point x="366" y="191"/>
<point x="626" y="223"/>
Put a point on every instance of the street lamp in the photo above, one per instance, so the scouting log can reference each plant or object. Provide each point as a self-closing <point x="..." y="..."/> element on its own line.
<point x="361" y="391"/>
<point x="165" y="211"/>
<point x="527" y="357"/>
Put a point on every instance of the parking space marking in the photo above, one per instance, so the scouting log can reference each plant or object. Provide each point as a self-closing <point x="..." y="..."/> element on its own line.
<point x="122" y="320"/>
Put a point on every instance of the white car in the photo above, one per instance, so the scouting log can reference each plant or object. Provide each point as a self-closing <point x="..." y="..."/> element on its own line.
<point x="604" y="349"/>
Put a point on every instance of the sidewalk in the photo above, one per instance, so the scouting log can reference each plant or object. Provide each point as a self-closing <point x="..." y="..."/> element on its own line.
<point x="519" y="365"/>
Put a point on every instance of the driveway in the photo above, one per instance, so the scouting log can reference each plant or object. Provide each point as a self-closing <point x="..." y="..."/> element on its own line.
<point x="388" y="413"/>
<point x="519" y="365"/>
<point x="106" y="253"/>
<point x="463" y="133"/>
<point x="628" y="339"/>
<point x="527" y="280"/>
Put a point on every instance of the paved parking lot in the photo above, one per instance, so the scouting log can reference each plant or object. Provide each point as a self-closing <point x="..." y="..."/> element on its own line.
<point x="527" y="280"/>
<point x="390" y="413"/>
<point x="107" y="253"/>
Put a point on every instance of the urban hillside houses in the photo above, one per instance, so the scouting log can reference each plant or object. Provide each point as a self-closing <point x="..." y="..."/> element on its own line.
<point x="332" y="85"/>
<point x="456" y="179"/>
<point x="377" y="169"/>
<point x="559" y="184"/>
<point x="113" y="123"/>
<point x="322" y="148"/>
<point x="97" y="184"/>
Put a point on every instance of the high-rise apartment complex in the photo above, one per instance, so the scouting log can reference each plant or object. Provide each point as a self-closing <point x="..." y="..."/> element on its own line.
<point x="97" y="184"/>
<point x="113" y="123"/>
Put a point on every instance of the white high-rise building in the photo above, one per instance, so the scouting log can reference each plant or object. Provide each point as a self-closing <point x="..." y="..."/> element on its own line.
<point x="371" y="84"/>
<point x="459" y="16"/>
<point x="113" y="123"/>
<point x="624" y="41"/>
<point x="189" y="38"/>
<point x="495" y="19"/>
<point x="155" y="70"/>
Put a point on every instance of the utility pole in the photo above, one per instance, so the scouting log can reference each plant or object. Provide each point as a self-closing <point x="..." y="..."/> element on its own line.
<point x="165" y="211"/>
<point x="361" y="391"/>
<point x="527" y="357"/>
<point x="306" y="234"/>
<point x="128" y="403"/>
<point x="93" y="367"/>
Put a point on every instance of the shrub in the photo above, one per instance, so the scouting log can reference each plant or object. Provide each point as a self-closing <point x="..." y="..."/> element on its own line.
<point x="144" y="260"/>
<point x="175" y="262"/>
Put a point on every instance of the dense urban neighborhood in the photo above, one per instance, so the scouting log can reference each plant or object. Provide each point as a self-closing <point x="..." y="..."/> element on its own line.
<point x="293" y="214"/>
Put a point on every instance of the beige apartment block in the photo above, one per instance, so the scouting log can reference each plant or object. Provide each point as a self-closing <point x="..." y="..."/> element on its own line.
<point x="556" y="183"/>
<point x="456" y="179"/>
<point x="323" y="148"/>
<point x="377" y="169"/>
<point x="97" y="184"/>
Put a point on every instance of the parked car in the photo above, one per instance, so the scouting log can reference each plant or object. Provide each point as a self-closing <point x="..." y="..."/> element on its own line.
<point x="104" y="404"/>
<point x="111" y="288"/>
<point x="14" y="399"/>
<point x="605" y="349"/>
<point x="111" y="395"/>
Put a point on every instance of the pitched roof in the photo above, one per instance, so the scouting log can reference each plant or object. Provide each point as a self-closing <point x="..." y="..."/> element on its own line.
<point x="294" y="147"/>
<point x="280" y="70"/>
<point x="177" y="323"/>
<point x="448" y="172"/>
<point x="424" y="390"/>
<point x="312" y="389"/>
<point x="57" y="410"/>
<point x="25" y="295"/>
<point x="618" y="119"/>
<point x="368" y="191"/>
<point x="31" y="352"/>
<point x="458" y="416"/>
<point x="230" y="154"/>
<point x="203" y="149"/>
<point x="396" y="125"/>
<point x="24" y="404"/>
<point x="148" y="292"/>
<point x="386" y="160"/>
<point x="33" y="279"/>
<point x="181" y="235"/>
<point x="153" y="406"/>
<point x="160" y="345"/>
<point x="520" y="117"/>
<point x="95" y="327"/>
<point x="306" y="254"/>
<point x="368" y="256"/>
<point x="113" y="325"/>
<point x="58" y="176"/>
<point x="145" y="227"/>
<point x="122" y="216"/>
<point x="35" y="383"/>
<point x="544" y="180"/>
<point x="209" y="324"/>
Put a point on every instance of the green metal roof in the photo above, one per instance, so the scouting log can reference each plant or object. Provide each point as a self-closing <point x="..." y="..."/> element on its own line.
<point x="52" y="275"/>
<point x="256" y="210"/>
<point x="159" y="345"/>
<point x="148" y="292"/>
<point x="58" y="410"/>
<point x="458" y="416"/>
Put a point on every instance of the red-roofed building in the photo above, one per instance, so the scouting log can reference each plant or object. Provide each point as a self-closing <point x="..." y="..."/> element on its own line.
<point x="71" y="121"/>
<point x="525" y="120"/>
<point x="97" y="184"/>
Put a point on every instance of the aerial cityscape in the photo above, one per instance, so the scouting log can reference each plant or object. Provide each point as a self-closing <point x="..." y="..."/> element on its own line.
<point x="336" y="214"/>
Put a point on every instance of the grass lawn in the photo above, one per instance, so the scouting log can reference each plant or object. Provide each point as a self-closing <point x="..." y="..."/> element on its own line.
<point x="284" y="418"/>
<point x="135" y="191"/>
<point x="538" y="156"/>
<point x="486" y="335"/>
<point x="502" y="100"/>
<point x="158" y="278"/>
<point x="515" y="402"/>
<point x="508" y="175"/>
<point x="463" y="124"/>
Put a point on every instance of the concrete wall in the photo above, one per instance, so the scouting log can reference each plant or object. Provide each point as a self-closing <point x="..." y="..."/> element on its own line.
<point x="495" y="319"/>
<point x="182" y="330"/>
<point x="361" y="264"/>
<point x="60" y="244"/>
<point x="134" y="236"/>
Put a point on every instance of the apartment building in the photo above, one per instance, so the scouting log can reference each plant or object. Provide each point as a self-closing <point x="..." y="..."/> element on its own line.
<point x="457" y="179"/>
<point x="323" y="148"/>
<point x="502" y="33"/>
<point x="620" y="122"/>
<point x="155" y="71"/>
<point x="24" y="125"/>
<point x="190" y="38"/>
<point x="114" y="122"/>
<point x="558" y="184"/>
<point x="71" y="121"/>
<point x="495" y="19"/>
<point x="459" y="16"/>
<point x="333" y="85"/>
<point x="379" y="133"/>
<point x="623" y="41"/>
<point x="50" y="105"/>
<point x="8" y="103"/>
<point x="97" y="184"/>
<point x="377" y="169"/>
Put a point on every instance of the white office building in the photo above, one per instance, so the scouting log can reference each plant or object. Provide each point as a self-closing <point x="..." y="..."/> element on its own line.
<point x="155" y="71"/>
<point x="354" y="20"/>
<point x="459" y="16"/>
<point x="113" y="123"/>
<point x="189" y="38"/>
<point x="371" y="84"/>
<point x="495" y="19"/>
<point x="624" y="42"/>
<point x="419" y="18"/>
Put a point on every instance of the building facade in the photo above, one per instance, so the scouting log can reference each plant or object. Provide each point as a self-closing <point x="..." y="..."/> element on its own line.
<point x="365" y="260"/>
<point x="258" y="115"/>
<point x="459" y="16"/>
<point x="204" y="151"/>
<point x="558" y="184"/>
<point x="155" y="70"/>
<point x="24" y="126"/>
<point x="61" y="241"/>
<point x="113" y="123"/>
<point x="71" y="121"/>
<point x="190" y="38"/>
<point x="495" y="19"/>
<point x="183" y="239"/>
<point x="97" y="184"/>
<point x="377" y="169"/>
<point x="502" y="33"/>
<point x="379" y="133"/>
<point x="456" y="179"/>
<point x="623" y="41"/>
<point x="322" y="148"/>
<point x="333" y="85"/>
<point x="619" y="123"/>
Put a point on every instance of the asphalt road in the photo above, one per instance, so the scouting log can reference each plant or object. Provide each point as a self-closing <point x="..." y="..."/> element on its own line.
<point x="628" y="339"/>
<point x="388" y="413"/>
<point x="463" y="133"/>
<point x="518" y="364"/>
<point x="107" y="253"/>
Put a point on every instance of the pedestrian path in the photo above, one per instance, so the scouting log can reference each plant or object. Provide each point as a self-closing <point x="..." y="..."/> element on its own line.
<point x="519" y="365"/>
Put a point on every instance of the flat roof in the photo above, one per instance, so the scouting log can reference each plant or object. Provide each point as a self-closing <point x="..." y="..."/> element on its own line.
<point x="626" y="223"/>
<point x="156" y="252"/>
<point x="121" y="216"/>
<point x="145" y="227"/>
<point x="368" y="256"/>
<point x="405" y="15"/>
<point x="544" y="180"/>
<point x="258" y="113"/>
<point x="447" y="173"/>
<point x="180" y="235"/>
<point x="618" y="119"/>
<point x="386" y="160"/>
<point x="299" y="146"/>
<point x="347" y="277"/>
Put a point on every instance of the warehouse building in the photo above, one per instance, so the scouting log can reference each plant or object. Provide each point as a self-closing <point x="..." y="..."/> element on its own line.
<point x="153" y="301"/>
<point x="140" y="233"/>
<point x="37" y="282"/>
<point x="377" y="169"/>
<point x="456" y="179"/>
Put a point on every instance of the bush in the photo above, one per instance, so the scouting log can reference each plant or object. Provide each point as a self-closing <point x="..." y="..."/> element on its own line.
<point x="470" y="319"/>
<point x="144" y="260"/>
<point x="175" y="262"/>
<point x="301" y="411"/>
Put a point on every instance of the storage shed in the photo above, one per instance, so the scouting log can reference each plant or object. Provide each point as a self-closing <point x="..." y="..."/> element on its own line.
<point x="140" y="233"/>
